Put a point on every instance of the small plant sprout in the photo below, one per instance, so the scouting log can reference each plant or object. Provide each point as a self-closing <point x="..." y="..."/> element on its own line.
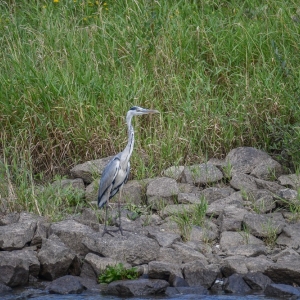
<point x="245" y="233"/>
<point x="271" y="233"/>
<point x="227" y="170"/>
<point x="117" y="272"/>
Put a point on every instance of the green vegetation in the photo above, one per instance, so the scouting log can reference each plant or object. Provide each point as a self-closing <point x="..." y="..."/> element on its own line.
<point x="117" y="272"/>
<point x="187" y="218"/>
<point x="222" y="73"/>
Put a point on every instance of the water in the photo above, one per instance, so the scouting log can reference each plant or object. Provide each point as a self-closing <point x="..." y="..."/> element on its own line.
<point x="42" y="295"/>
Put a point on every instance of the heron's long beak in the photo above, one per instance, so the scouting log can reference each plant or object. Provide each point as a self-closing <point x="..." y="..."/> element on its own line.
<point x="151" y="111"/>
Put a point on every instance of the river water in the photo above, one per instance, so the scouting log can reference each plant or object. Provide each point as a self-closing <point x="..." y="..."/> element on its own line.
<point x="42" y="295"/>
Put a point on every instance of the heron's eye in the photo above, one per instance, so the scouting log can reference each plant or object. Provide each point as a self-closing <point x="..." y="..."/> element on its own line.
<point x="134" y="108"/>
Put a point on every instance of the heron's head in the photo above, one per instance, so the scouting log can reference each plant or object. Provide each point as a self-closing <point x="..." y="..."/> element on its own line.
<point x="136" y="111"/>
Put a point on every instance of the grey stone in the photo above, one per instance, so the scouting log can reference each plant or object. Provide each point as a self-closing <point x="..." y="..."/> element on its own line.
<point x="162" y="189"/>
<point x="234" y="264"/>
<point x="201" y="174"/>
<point x="290" y="236"/>
<point x="90" y="169"/>
<point x="196" y="274"/>
<point x="88" y="217"/>
<point x="138" y="287"/>
<point x="291" y="180"/>
<point x="245" y="159"/>
<point x="282" y="291"/>
<point x="163" y="270"/>
<point x="167" y="254"/>
<point x="72" y="233"/>
<point x="174" y="172"/>
<point x="4" y="288"/>
<point x="208" y="232"/>
<point x="236" y="284"/>
<point x="183" y="290"/>
<point x="9" y="218"/>
<point x="231" y="218"/>
<point x="230" y="239"/>
<point x="66" y="285"/>
<point x="14" y="270"/>
<point x="133" y="248"/>
<point x="286" y="270"/>
<point x="188" y="254"/>
<point x="55" y="259"/>
<point x="133" y="192"/>
<point x="91" y="191"/>
<point x="212" y="194"/>
<point x="175" y="209"/>
<point x="264" y="225"/>
<point x="257" y="281"/>
<point x="177" y="281"/>
<point x="164" y="239"/>
<point x="217" y="207"/>
<point x="16" y="235"/>
<point x="268" y="169"/>
<point x="247" y="250"/>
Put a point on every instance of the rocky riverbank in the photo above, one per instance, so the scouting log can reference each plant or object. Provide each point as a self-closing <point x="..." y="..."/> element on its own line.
<point x="248" y="242"/>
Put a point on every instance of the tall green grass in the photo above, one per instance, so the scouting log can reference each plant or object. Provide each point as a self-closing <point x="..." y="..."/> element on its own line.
<point x="222" y="74"/>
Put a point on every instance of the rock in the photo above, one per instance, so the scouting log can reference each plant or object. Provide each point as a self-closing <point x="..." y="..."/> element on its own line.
<point x="188" y="254"/>
<point x="196" y="274"/>
<point x="66" y="285"/>
<point x="258" y="264"/>
<point x="287" y="197"/>
<point x="291" y="180"/>
<point x="282" y="291"/>
<point x="16" y="235"/>
<point x="236" y="284"/>
<point x="42" y="231"/>
<point x="231" y="239"/>
<point x="138" y="287"/>
<point x="194" y="290"/>
<point x="234" y="264"/>
<point x="91" y="191"/>
<point x="4" y="288"/>
<point x="163" y="270"/>
<point x="283" y="253"/>
<point x="174" y="172"/>
<point x="290" y="236"/>
<point x="268" y="169"/>
<point x="167" y="254"/>
<point x="134" y="248"/>
<point x="264" y="225"/>
<point x="245" y="159"/>
<point x="257" y="281"/>
<point x="201" y="174"/>
<point x="217" y="207"/>
<point x="30" y="257"/>
<point x="133" y="192"/>
<point x="247" y="250"/>
<point x="88" y="217"/>
<point x="9" y="219"/>
<point x="94" y="265"/>
<point x="286" y="270"/>
<point x="162" y="189"/>
<point x="188" y="198"/>
<point x="231" y="218"/>
<point x="55" y="259"/>
<point x="212" y="194"/>
<point x="177" y="281"/>
<point x="72" y="233"/>
<point x="208" y="232"/>
<point x="14" y="270"/>
<point x="89" y="169"/>
<point x="164" y="239"/>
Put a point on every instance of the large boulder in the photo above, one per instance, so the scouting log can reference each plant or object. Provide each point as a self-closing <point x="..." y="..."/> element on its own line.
<point x="66" y="285"/>
<point x="14" y="270"/>
<point x="16" y="235"/>
<point x="162" y="189"/>
<point x="133" y="248"/>
<point x="138" y="287"/>
<point x="72" y="233"/>
<point x="236" y="284"/>
<point x="163" y="270"/>
<point x="55" y="259"/>
<point x="90" y="169"/>
<point x="245" y="159"/>
<point x="201" y="174"/>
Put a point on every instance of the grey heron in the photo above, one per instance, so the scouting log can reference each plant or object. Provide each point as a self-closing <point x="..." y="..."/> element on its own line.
<point x="116" y="172"/>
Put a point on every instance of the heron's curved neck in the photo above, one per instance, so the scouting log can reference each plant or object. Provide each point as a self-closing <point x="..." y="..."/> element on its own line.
<point x="130" y="143"/>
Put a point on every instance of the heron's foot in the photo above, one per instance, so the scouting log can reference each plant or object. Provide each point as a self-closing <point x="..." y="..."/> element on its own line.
<point x="108" y="231"/>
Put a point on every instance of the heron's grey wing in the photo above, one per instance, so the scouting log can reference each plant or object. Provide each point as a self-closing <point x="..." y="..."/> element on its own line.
<point x="127" y="172"/>
<point x="108" y="176"/>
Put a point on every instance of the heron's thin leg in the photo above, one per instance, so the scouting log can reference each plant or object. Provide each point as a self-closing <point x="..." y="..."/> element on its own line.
<point x="105" y="222"/>
<point x="119" y="205"/>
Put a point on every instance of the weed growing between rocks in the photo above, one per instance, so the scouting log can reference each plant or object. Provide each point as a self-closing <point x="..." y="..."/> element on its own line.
<point x="117" y="272"/>
<point x="186" y="219"/>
